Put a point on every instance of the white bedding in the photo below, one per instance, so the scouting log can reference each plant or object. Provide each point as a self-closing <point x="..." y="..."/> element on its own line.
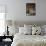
<point x="29" y="40"/>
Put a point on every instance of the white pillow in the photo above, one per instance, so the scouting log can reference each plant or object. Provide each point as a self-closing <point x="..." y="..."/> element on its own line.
<point x="23" y="30"/>
<point x="42" y="30"/>
<point x="28" y="29"/>
<point x="36" y="30"/>
<point x="28" y="26"/>
<point x="44" y="27"/>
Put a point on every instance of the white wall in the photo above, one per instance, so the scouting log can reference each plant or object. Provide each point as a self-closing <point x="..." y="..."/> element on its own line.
<point x="17" y="10"/>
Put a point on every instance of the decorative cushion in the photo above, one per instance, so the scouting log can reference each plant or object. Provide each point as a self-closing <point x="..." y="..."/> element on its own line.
<point x="36" y="30"/>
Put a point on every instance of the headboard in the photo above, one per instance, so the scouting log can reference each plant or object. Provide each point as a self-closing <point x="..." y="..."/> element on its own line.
<point x="21" y="23"/>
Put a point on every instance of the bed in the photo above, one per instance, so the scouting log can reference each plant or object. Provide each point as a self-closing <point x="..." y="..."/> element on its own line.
<point x="24" y="38"/>
<point x="29" y="40"/>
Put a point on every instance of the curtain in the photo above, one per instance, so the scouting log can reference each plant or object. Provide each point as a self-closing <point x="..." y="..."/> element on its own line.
<point x="2" y="19"/>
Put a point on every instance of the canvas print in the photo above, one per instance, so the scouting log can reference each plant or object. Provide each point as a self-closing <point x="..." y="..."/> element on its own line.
<point x="30" y="9"/>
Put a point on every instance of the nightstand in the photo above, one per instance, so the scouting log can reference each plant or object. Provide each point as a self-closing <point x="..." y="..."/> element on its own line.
<point x="7" y="40"/>
<point x="4" y="41"/>
<point x="11" y="37"/>
<point x="7" y="43"/>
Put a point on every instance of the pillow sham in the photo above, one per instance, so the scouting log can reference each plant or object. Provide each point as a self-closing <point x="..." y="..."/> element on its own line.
<point x="44" y="29"/>
<point x="44" y="26"/>
<point x="36" y="30"/>
<point x="28" y="31"/>
<point x="21" y="30"/>
<point x="28" y="26"/>
<point x="24" y="30"/>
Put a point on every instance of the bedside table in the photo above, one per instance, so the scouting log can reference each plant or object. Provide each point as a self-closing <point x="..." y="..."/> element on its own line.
<point x="4" y="37"/>
<point x="11" y="37"/>
<point x="7" y="43"/>
<point x="7" y="40"/>
<point x="4" y="41"/>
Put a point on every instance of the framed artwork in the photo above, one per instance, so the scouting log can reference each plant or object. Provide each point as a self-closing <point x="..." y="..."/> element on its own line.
<point x="30" y="9"/>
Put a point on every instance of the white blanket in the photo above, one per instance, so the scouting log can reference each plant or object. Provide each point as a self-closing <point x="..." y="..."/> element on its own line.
<point x="29" y="40"/>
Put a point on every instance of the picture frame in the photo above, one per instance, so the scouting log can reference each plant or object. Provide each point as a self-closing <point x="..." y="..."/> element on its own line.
<point x="30" y="9"/>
